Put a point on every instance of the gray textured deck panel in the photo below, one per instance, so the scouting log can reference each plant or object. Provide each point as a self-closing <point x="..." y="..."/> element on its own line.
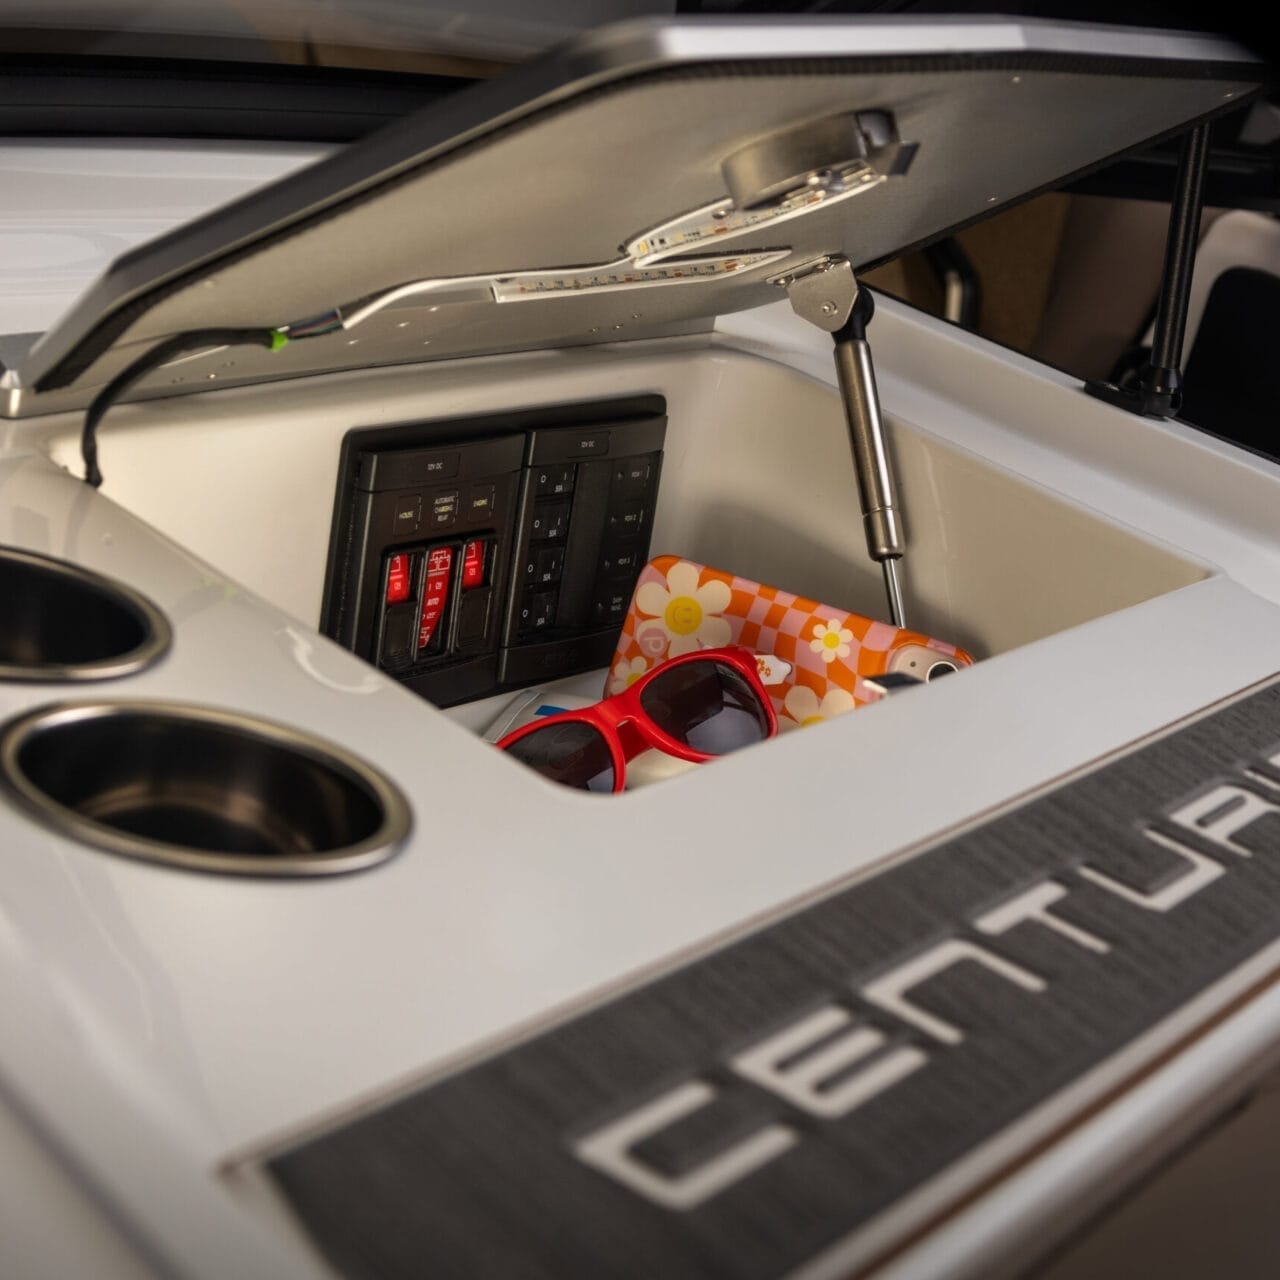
<point x="476" y="1175"/>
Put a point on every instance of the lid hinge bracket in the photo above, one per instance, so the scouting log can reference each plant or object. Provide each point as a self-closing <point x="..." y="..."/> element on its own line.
<point x="827" y="295"/>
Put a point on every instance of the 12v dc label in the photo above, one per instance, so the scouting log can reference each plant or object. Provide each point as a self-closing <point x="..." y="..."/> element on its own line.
<point x="742" y="1115"/>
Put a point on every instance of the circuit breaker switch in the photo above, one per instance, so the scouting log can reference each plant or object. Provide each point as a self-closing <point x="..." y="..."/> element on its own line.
<point x="473" y="556"/>
<point x="435" y="594"/>
<point x="399" y="577"/>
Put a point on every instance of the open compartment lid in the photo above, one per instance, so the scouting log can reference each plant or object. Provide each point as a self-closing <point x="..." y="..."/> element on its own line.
<point x="633" y="183"/>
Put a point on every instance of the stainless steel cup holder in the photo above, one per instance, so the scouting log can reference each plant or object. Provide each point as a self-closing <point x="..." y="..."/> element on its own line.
<point x="202" y="789"/>
<point x="59" y="622"/>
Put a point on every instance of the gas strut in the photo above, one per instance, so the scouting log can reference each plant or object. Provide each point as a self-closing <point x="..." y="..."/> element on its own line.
<point x="1156" y="392"/>
<point x="828" y="296"/>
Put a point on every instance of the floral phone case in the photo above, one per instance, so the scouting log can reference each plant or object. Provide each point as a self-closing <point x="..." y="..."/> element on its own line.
<point x="814" y="658"/>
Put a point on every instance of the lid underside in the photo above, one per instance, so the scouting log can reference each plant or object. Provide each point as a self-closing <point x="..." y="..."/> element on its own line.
<point x="565" y="163"/>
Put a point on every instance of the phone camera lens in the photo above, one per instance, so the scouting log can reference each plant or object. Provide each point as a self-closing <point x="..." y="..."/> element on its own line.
<point x="940" y="669"/>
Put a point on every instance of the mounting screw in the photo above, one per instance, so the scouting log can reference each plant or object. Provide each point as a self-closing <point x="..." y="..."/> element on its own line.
<point x="828" y="308"/>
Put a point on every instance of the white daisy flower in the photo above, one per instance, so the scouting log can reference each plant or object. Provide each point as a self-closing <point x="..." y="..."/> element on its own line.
<point x="688" y="613"/>
<point x="831" y="641"/>
<point x="802" y="706"/>
<point x="626" y="673"/>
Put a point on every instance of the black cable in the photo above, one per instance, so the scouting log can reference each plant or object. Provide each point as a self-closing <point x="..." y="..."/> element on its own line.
<point x="162" y="353"/>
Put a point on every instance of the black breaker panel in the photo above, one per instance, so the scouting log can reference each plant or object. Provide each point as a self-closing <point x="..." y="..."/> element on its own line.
<point x="487" y="553"/>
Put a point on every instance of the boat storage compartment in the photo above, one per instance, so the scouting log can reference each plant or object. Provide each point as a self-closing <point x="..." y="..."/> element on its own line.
<point x="619" y="249"/>
<point x="762" y="181"/>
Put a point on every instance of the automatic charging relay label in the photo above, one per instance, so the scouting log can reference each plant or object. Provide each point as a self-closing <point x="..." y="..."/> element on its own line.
<point x="748" y="1112"/>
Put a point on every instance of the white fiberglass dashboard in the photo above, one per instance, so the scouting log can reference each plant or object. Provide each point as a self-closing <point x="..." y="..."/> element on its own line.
<point x="914" y="992"/>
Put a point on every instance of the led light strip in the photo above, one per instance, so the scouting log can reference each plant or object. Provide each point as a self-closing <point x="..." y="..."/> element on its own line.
<point x="521" y="286"/>
<point x="625" y="274"/>
<point x="696" y="228"/>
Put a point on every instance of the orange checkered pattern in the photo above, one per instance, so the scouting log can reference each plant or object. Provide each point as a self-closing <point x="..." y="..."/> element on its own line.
<point x="767" y="621"/>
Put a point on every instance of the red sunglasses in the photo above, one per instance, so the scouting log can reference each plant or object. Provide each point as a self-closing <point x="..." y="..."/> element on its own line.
<point x="698" y="706"/>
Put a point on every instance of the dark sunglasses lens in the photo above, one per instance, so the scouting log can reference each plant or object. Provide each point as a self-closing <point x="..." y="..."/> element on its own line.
<point x="707" y="706"/>
<point x="572" y="753"/>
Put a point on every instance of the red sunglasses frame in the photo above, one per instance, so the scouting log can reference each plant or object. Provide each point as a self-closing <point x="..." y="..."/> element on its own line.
<point x="627" y="727"/>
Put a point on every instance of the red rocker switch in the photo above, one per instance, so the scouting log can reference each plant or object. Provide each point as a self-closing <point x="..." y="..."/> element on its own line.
<point x="473" y="565"/>
<point x="435" y="594"/>
<point x="399" y="578"/>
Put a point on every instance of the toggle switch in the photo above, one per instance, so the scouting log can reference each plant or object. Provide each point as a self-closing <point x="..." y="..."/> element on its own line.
<point x="399" y="577"/>
<point x="473" y="565"/>
<point x="435" y="594"/>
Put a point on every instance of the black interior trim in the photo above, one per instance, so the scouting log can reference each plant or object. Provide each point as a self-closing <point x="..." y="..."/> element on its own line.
<point x="118" y="97"/>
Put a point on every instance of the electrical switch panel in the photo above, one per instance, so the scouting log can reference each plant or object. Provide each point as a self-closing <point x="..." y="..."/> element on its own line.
<point x="482" y="554"/>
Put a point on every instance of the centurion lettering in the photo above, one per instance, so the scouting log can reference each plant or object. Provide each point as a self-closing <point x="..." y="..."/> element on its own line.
<point x="774" y="1106"/>
<point x="830" y="1061"/>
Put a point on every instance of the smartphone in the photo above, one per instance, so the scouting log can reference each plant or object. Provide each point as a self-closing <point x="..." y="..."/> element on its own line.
<point x="814" y="658"/>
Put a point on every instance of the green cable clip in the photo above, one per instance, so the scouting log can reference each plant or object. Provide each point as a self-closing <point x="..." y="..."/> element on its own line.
<point x="278" y="339"/>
